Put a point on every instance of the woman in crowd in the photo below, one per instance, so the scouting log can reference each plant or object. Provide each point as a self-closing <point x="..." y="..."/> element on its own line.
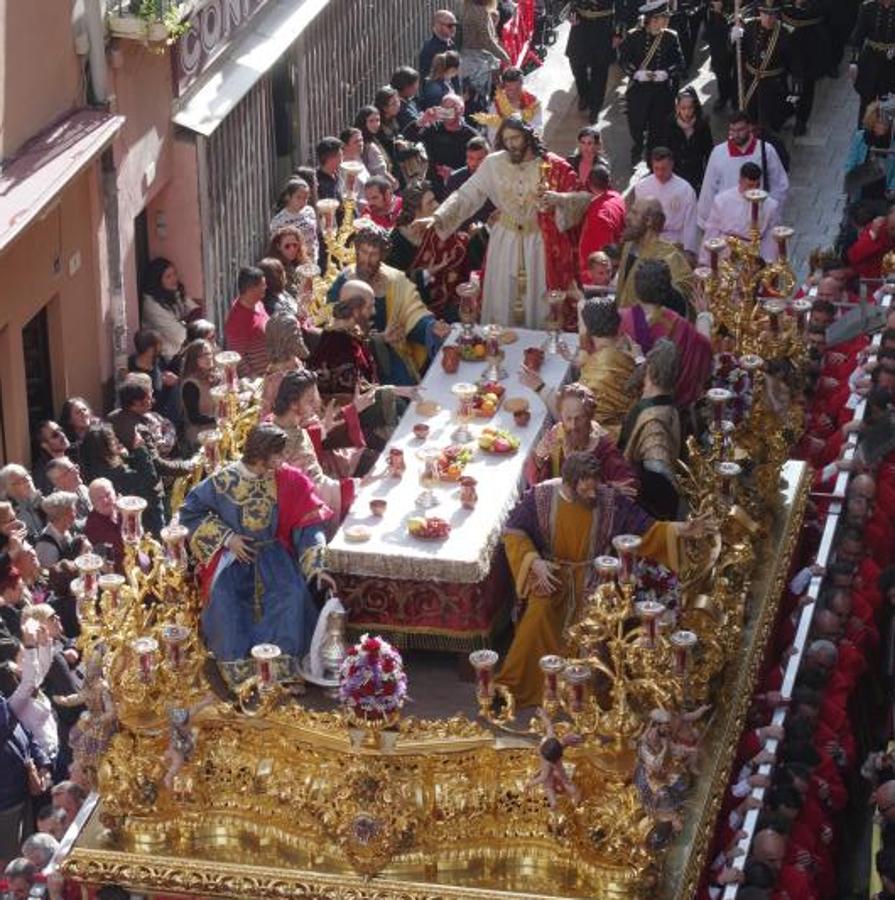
<point x="166" y="306"/>
<point x="287" y="247"/>
<point x="198" y="377"/>
<point x="445" y="68"/>
<point x="388" y="104"/>
<point x="482" y="52"/>
<point x="588" y="154"/>
<point x="75" y="417"/>
<point x="867" y="175"/>
<point x="690" y="138"/>
<point x="375" y="156"/>
<point x="294" y="209"/>
<point x="102" y="456"/>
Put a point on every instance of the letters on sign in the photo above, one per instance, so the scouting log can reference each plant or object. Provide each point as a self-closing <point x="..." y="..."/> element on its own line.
<point x="213" y="26"/>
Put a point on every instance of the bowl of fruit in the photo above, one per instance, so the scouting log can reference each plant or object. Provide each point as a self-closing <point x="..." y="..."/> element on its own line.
<point x="496" y="440"/>
<point x="487" y="399"/>
<point x="472" y="349"/>
<point x="453" y="461"/>
<point x="428" y="528"/>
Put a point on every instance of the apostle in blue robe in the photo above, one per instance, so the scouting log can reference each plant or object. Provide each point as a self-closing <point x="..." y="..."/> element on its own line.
<point x="256" y="530"/>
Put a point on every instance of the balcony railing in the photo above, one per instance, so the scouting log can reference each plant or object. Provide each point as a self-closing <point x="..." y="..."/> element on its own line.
<point x="147" y="20"/>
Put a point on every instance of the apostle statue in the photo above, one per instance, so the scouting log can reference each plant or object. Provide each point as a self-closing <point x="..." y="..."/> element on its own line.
<point x="532" y="246"/>
<point x="256" y="529"/>
<point x="551" y="539"/>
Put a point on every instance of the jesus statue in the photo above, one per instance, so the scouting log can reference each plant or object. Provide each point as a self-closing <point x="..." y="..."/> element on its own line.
<point x="531" y="247"/>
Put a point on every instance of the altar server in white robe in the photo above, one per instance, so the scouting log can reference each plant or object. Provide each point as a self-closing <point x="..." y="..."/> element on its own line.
<point x="731" y="215"/>
<point x="723" y="169"/>
<point x="677" y="197"/>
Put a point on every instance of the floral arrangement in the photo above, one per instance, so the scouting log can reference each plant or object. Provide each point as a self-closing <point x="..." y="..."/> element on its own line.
<point x="655" y="582"/>
<point x="372" y="683"/>
<point x="729" y="374"/>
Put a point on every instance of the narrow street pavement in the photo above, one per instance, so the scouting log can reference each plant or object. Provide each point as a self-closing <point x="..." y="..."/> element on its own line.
<point x="815" y="204"/>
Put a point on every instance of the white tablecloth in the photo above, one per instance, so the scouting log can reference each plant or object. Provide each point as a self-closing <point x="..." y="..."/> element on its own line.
<point x="465" y="556"/>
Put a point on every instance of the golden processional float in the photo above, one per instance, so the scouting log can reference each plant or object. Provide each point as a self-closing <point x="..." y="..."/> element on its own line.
<point x="611" y="790"/>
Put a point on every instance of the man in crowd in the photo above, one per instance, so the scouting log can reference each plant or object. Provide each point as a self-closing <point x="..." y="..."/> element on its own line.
<point x="444" y="30"/>
<point x="57" y="541"/>
<point x="64" y="475"/>
<point x="651" y="57"/>
<point x="411" y="334"/>
<point x="723" y="169"/>
<point x="26" y="499"/>
<point x="383" y="207"/>
<point x="872" y="41"/>
<point x="246" y="321"/>
<point x="52" y="443"/>
<point x="511" y="99"/>
<point x="731" y="214"/>
<point x="447" y="142"/>
<point x="102" y="527"/>
<point x="604" y="221"/>
<point x="329" y="158"/>
<point x="677" y="197"/>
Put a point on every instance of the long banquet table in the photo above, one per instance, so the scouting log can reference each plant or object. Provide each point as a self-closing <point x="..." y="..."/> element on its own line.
<point x="451" y="594"/>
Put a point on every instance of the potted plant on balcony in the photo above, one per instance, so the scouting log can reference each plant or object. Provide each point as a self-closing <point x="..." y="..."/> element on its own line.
<point x="150" y="21"/>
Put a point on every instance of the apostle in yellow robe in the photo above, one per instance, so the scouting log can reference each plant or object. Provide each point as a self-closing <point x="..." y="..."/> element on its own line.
<point x="551" y="539"/>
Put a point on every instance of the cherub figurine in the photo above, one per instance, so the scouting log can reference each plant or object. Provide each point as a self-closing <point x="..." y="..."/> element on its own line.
<point x="685" y="737"/>
<point x="655" y="776"/>
<point x="182" y="743"/>
<point x="552" y="776"/>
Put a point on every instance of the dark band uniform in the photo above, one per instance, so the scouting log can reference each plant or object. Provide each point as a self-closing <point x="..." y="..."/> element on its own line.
<point x="590" y="50"/>
<point x="873" y="43"/>
<point x="650" y="103"/>
<point x="810" y="50"/>
<point x="767" y="62"/>
<point x="722" y="53"/>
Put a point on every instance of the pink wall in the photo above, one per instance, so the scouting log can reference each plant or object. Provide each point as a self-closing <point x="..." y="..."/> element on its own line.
<point x="54" y="263"/>
<point x="41" y="76"/>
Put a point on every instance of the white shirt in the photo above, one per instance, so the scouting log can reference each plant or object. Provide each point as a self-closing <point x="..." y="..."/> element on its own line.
<point x="731" y="214"/>
<point x="723" y="172"/>
<point x="678" y="201"/>
<point x="30" y="704"/>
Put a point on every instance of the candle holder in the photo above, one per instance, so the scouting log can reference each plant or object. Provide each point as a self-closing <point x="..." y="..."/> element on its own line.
<point x="683" y="643"/>
<point x="265" y="656"/>
<point x="145" y="649"/>
<point x="130" y="510"/>
<point x="781" y="234"/>
<point x="220" y="397"/>
<point x="554" y="299"/>
<point x="719" y="398"/>
<point x="607" y="568"/>
<point x="350" y="169"/>
<point x="89" y="566"/>
<point x="326" y="213"/>
<point x="715" y="247"/>
<point x="483" y="663"/>
<point x="728" y="473"/>
<point x="306" y="273"/>
<point x="464" y="392"/>
<point x="210" y="442"/>
<point x="494" y="371"/>
<point x="174" y="537"/>
<point x="229" y="361"/>
<point x="774" y="307"/>
<point x="801" y="310"/>
<point x="756" y="196"/>
<point x="648" y="611"/>
<point x="468" y="295"/>
<point x="576" y="678"/>
<point x="110" y="585"/>
<point x="552" y="666"/>
<point x="626" y="546"/>
<point x="174" y="639"/>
